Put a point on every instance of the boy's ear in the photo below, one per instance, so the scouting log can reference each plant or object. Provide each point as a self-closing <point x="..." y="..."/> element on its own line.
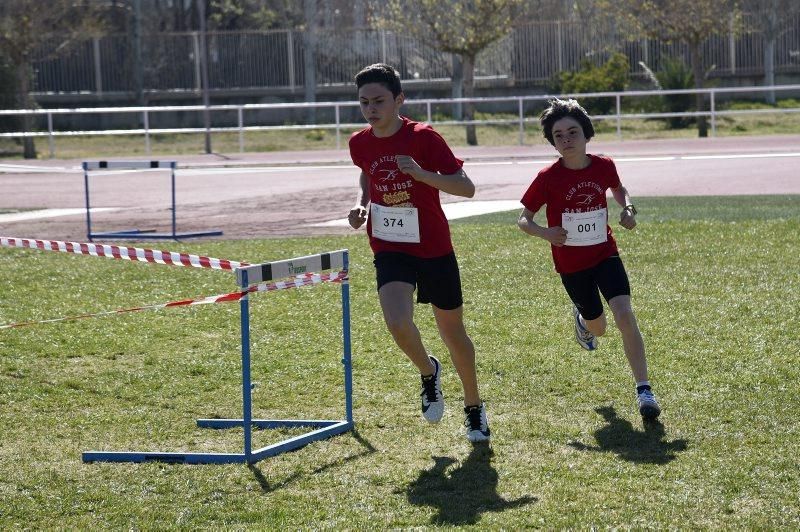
<point x="400" y="98"/>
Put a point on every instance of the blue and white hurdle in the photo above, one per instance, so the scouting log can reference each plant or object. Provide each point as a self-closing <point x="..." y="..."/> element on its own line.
<point x="89" y="166"/>
<point x="248" y="277"/>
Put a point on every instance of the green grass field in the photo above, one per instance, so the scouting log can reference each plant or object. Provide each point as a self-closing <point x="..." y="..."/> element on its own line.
<point x="716" y="292"/>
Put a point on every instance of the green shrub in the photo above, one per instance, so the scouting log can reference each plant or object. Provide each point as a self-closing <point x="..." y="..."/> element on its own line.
<point x="316" y="135"/>
<point x="612" y="76"/>
<point x="675" y="74"/>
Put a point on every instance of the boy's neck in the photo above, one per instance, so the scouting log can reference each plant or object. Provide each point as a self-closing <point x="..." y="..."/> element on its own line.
<point x="393" y="127"/>
<point x="577" y="162"/>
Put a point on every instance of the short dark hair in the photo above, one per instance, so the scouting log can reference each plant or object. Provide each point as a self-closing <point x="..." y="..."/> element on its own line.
<point x="380" y="73"/>
<point x="559" y="109"/>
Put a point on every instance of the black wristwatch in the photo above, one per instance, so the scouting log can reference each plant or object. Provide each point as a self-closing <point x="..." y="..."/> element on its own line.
<point x="631" y="208"/>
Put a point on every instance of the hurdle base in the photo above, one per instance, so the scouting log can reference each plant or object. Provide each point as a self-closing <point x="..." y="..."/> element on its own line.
<point x="136" y="234"/>
<point x="326" y="429"/>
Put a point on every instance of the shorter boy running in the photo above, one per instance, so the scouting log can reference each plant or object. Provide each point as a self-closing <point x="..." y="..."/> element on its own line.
<point x="584" y="251"/>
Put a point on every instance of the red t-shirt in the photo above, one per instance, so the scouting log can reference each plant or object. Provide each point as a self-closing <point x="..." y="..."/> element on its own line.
<point x="390" y="187"/>
<point x="564" y="191"/>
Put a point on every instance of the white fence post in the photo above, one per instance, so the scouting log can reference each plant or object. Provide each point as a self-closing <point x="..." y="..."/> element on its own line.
<point x="50" y="139"/>
<point x="521" y="123"/>
<point x="619" y="117"/>
<point x="713" y="116"/>
<point x="146" y="120"/>
<point x="338" y="130"/>
<point x="240" y="116"/>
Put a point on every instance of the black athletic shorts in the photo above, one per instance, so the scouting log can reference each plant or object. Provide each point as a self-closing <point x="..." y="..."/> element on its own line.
<point x="584" y="287"/>
<point x="437" y="280"/>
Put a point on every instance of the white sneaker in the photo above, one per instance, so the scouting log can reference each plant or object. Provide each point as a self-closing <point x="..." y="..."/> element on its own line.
<point x="477" y="423"/>
<point x="648" y="406"/>
<point x="432" y="397"/>
<point x="587" y="340"/>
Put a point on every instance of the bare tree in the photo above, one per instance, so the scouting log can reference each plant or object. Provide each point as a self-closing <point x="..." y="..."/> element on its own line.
<point x="690" y="22"/>
<point x="460" y="27"/>
<point x="27" y="27"/>
<point x="771" y="18"/>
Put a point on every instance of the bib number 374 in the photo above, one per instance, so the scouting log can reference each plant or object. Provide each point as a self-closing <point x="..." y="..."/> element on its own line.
<point x="585" y="228"/>
<point x="395" y="224"/>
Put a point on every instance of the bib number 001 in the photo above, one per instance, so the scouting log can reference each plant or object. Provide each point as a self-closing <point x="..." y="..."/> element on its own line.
<point x="585" y="228"/>
<point x="395" y="224"/>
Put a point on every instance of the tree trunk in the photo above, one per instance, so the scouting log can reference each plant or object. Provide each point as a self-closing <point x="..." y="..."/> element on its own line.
<point x="769" y="51"/>
<point x="469" y="92"/>
<point x="769" y="67"/>
<point x="24" y="101"/>
<point x="310" y="57"/>
<point x="138" y="65"/>
<point x="699" y="99"/>
<point x="457" y="86"/>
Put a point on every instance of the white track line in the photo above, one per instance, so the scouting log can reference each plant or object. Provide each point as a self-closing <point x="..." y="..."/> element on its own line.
<point x="740" y="156"/>
<point x="48" y="213"/>
<point x="31" y="169"/>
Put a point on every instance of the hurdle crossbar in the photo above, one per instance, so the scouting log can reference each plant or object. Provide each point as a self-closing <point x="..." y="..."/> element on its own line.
<point x="89" y="166"/>
<point x="322" y="428"/>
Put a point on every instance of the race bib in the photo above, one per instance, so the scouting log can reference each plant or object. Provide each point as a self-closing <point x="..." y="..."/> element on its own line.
<point x="585" y="228"/>
<point x="395" y="224"/>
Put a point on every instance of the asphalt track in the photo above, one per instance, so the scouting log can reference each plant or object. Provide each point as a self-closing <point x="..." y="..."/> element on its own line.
<point x="290" y="193"/>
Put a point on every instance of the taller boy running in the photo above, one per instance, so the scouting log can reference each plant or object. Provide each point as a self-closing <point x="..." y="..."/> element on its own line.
<point x="404" y="164"/>
<point x="584" y="250"/>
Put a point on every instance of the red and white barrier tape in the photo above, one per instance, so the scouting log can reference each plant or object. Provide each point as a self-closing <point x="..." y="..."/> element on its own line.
<point x="308" y="279"/>
<point x="123" y="252"/>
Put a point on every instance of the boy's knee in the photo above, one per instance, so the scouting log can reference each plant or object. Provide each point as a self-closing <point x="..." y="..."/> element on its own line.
<point x="624" y="318"/>
<point x="399" y="325"/>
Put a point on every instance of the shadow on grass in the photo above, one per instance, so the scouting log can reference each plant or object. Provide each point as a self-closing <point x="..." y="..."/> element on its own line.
<point x="618" y="436"/>
<point x="463" y="494"/>
<point x="266" y="487"/>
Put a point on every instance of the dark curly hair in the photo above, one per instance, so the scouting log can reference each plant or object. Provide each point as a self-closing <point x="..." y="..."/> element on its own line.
<point x="559" y="109"/>
<point x="380" y="73"/>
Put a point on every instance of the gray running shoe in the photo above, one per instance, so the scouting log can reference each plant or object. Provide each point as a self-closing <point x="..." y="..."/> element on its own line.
<point x="477" y="423"/>
<point x="432" y="398"/>
<point x="648" y="406"/>
<point x="587" y="340"/>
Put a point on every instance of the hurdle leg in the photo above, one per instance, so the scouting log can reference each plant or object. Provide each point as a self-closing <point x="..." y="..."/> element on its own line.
<point x="247" y="404"/>
<point x="86" y="193"/>
<point x="174" y="225"/>
<point x="346" y="345"/>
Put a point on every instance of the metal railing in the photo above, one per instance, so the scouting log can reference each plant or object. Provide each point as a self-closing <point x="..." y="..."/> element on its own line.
<point x="338" y="125"/>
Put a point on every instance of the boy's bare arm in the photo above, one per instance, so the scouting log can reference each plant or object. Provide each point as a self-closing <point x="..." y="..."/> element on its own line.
<point x="555" y="235"/>
<point x="458" y="184"/>
<point x="358" y="214"/>
<point x="627" y="218"/>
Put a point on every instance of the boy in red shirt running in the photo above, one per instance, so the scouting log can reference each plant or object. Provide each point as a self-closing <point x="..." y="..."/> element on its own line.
<point x="404" y="164"/>
<point x="584" y="250"/>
